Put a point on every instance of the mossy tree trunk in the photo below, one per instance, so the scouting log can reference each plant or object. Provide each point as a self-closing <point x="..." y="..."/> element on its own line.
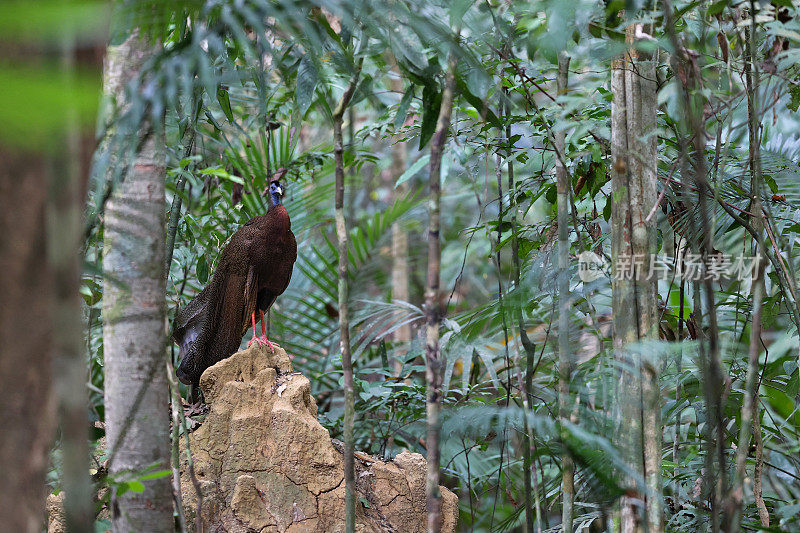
<point x="634" y="160"/>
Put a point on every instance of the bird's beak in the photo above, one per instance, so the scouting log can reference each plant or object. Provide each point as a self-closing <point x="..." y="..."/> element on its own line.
<point x="279" y="190"/>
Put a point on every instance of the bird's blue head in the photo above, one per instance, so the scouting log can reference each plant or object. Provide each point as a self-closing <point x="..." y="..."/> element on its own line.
<point x="275" y="192"/>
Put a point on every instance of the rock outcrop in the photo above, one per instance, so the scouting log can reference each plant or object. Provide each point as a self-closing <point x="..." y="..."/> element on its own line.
<point x="264" y="463"/>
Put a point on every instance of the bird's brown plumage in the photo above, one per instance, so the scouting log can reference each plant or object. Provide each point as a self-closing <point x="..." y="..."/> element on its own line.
<point x="253" y="270"/>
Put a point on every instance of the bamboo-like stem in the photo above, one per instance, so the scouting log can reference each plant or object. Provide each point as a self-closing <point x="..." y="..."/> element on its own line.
<point x="564" y="354"/>
<point x="344" y="317"/>
<point x="433" y="313"/>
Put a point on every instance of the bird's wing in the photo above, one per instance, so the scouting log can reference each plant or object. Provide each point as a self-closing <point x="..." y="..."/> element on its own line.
<point x="188" y="323"/>
<point x="230" y="308"/>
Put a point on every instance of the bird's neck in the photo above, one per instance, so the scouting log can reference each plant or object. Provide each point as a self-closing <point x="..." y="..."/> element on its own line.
<point x="276" y="200"/>
<point x="280" y="218"/>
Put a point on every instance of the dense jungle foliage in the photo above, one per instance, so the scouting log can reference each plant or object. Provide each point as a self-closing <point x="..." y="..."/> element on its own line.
<point x="248" y="90"/>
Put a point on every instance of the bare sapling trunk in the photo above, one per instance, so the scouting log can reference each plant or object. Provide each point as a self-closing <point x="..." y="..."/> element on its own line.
<point x="633" y="154"/>
<point x="564" y="355"/>
<point x="344" y="316"/>
<point x="433" y="313"/>
<point x="134" y="314"/>
<point x="750" y="410"/>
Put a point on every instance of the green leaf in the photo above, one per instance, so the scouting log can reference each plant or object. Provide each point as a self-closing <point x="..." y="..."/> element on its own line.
<point x="717" y="7"/>
<point x="550" y="195"/>
<point x="431" y="102"/>
<point x="457" y="10"/>
<point x="675" y="303"/>
<point x="202" y="269"/>
<point x="770" y="181"/>
<point x="220" y="172"/>
<point x="158" y="474"/>
<point x="307" y="78"/>
<point x="560" y="26"/>
<point x="402" y="109"/>
<point x="607" y="210"/>
<point x="479" y="105"/>
<point x="795" y="98"/>
<point x="225" y="102"/>
<point x="413" y="169"/>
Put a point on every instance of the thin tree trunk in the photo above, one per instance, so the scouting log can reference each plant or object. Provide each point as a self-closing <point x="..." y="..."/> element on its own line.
<point x="399" y="234"/>
<point x="433" y="312"/>
<point x="67" y="189"/>
<point x="524" y="380"/>
<point x="134" y="303"/>
<point x="344" y="317"/>
<point x="564" y="355"/>
<point x="712" y="368"/>
<point x="533" y="522"/>
<point x="749" y="412"/>
<point x="633" y="153"/>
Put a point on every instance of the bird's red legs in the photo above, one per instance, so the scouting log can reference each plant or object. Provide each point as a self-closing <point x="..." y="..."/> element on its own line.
<point x="263" y="340"/>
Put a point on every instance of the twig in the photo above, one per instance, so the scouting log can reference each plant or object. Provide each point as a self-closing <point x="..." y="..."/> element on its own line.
<point x="179" y="415"/>
<point x="188" y="147"/>
<point x="344" y="317"/>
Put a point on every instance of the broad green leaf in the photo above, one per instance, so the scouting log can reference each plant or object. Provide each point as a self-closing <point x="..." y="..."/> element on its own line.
<point x="431" y="102"/>
<point x="480" y="106"/>
<point x="457" y="10"/>
<point x="717" y="7"/>
<point x="413" y="169"/>
<point x="307" y="78"/>
<point x="202" y="269"/>
<point x="225" y="102"/>
<point x="560" y="26"/>
<point x="402" y="109"/>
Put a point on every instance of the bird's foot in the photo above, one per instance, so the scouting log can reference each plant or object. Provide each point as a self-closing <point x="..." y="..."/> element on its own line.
<point x="261" y="341"/>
